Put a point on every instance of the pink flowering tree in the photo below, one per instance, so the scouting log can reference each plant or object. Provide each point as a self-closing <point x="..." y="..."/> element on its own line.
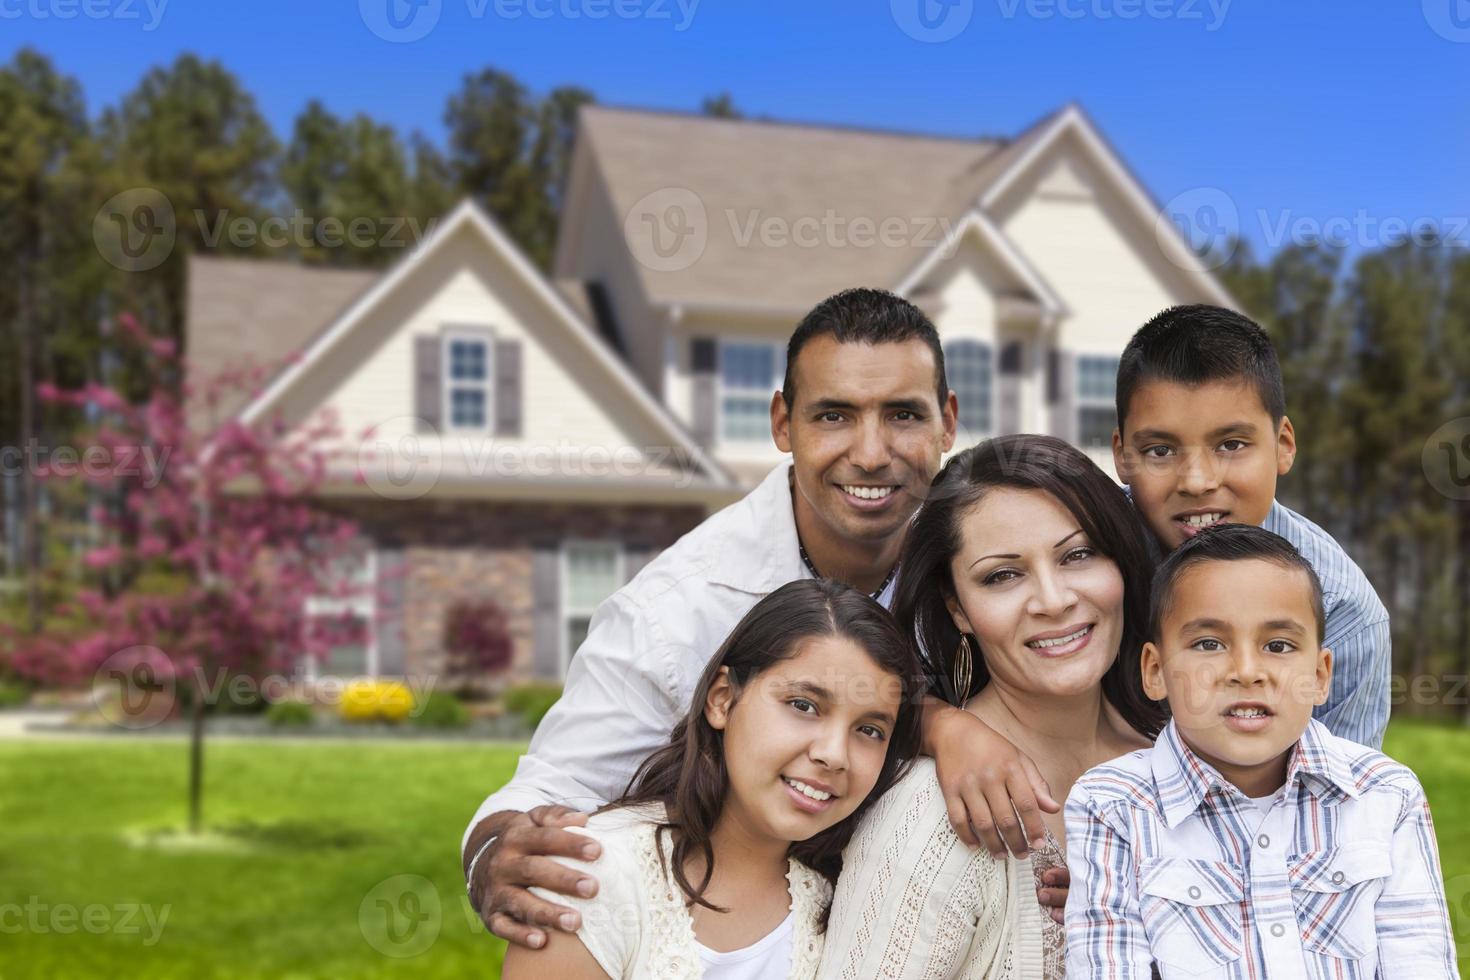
<point x="225" y="513"/>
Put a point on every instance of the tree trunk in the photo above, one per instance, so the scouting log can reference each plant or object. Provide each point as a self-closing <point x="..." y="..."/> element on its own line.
<point x="196" y="758"/>
<point x="30" y="551"/>
<point x="1462" y="559"/>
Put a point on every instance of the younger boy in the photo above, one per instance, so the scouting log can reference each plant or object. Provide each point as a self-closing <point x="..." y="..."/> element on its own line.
<point x="1249" y="841"/>
<point x="1202" y="437"/>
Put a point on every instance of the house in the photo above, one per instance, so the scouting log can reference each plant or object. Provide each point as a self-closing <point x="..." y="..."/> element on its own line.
<point x="537" y="438"/>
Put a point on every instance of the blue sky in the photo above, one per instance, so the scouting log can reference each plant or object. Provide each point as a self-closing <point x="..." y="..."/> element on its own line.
<point x="1301" y="109"/>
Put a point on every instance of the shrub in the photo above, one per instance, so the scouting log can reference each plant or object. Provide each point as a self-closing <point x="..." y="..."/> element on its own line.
<point x="289" y="714"/>
<point x="477" y="639"/>
<point x="440" y="710"/>
<point x="375" y="700"/>
<point x="13" y="694"/>
<point x="531" y="700"/>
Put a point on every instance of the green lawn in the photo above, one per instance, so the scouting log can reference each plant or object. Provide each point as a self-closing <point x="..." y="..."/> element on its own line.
<point x="331" y="827"/>
<point x="339" y="857"/>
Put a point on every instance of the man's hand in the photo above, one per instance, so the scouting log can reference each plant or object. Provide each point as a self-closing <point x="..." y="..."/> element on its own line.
<point x="521" y="858"/>
<point x="1055" y="883"/>
<point x="993" y="793"/>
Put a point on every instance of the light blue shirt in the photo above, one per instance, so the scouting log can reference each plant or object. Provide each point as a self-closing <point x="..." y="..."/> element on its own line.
<point x="1357" y="632"/>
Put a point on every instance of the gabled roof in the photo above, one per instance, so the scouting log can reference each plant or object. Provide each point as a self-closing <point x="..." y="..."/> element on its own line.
<point x="1010" y="258"/>
<point x="255" y="312"/>
<point x="745" y="171"/>
<point x="466" y="216"/>
<point x="1073" y="121"/>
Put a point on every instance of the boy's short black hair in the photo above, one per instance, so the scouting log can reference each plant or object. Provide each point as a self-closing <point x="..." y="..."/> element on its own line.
<point x="1229" y="542"/>
<point x="865" y="316"/>
<point x="1192" y="345"/>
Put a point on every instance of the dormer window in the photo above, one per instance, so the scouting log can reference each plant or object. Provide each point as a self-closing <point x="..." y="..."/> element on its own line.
<point x="467" y="373"/>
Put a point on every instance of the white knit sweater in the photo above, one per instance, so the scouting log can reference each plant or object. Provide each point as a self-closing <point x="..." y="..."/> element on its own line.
<point x="914" y="901"/>
<point x="637" y="926"/>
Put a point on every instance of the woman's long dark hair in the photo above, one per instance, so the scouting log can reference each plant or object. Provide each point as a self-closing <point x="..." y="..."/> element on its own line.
<point x="688" y="776"/>
<point x="1025" y="462"/>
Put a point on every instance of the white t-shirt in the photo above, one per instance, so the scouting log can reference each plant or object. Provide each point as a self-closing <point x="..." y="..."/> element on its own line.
<point x="766" y="958"/>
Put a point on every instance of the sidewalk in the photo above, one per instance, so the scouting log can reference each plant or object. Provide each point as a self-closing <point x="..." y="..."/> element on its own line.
<point x="14" y="722"/>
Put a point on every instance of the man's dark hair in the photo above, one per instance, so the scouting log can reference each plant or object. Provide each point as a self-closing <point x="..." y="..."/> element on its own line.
<point x="865" y="316"/>
<point x="1230" y="542"/>
<point x="1193" y="345"/>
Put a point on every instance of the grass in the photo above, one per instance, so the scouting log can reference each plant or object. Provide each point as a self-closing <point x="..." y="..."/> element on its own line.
<point x="306" y="841"/>
<point x="327" y="860"/>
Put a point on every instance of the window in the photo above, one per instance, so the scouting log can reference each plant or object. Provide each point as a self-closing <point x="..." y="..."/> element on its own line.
<point x="466" y="379"/>
<point x="750" y="372"/>
<point x="356" y="571"/>
<point x="1097" y="416"/>
<point x="967" y="366"/>
<point x="591" y="571"/>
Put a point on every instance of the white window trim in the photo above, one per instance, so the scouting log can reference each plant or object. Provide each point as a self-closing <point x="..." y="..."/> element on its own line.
<point x="721" y="390"/>
<point x="471" y="334"/>
<point x="364" y="604"/>
<point x="1081" y="402"/>
<point x="994" y="379"/>
<point x="564" y="610"/>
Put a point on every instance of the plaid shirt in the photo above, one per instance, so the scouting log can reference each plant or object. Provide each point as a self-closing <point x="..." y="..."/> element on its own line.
<point x="1173" y="865"/>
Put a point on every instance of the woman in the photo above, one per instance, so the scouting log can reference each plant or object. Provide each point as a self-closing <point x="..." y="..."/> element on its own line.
<point x="718" y="862"/>
<point x="1025" y="577"/>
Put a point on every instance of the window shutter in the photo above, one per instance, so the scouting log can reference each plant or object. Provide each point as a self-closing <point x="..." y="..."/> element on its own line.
<point x="428" y="397"/>
<point x="1008" y="395"/>
<point x="508" y="386"/>
<point x="546" y="626"/>
<point x="705" y="356"/>
<point x="1061" y="394"/>
<point x="388" y="624"/>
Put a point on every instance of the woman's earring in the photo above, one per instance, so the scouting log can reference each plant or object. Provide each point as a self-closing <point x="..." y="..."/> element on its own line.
<point x="964" y="668"/>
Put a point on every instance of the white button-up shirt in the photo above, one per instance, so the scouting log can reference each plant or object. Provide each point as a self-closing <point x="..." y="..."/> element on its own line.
<point x="647" y="645"/>
<point x="1173" y="865"/>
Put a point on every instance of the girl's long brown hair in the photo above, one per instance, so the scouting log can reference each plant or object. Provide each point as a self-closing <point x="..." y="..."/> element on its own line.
<point x="688" y="776"/>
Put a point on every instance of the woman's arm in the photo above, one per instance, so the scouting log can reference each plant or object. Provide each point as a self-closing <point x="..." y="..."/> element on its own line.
<point x="563" y="956"/>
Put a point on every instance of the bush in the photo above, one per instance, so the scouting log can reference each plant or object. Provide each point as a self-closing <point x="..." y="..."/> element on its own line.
<point x="13" y="694"/>
<point x="531" y="700"/>
<point x="289" y="714"/>
<point x="478" y="641"/>
<point x="371" y="700"/>
<point x="441" y="710"/>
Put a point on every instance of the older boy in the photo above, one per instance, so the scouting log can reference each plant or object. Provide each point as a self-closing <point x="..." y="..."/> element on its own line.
<point x="1249" y="841"/>
<point x="1202" y="437"/>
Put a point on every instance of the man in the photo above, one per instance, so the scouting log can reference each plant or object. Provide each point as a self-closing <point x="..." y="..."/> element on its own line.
<point x="866" y="414"/>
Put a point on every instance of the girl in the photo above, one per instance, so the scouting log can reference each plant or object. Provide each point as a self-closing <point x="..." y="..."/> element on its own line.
<point x="719" y="860"/>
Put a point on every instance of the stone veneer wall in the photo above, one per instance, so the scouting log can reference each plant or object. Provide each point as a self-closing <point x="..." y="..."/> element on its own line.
<point x="465" y="549"/>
